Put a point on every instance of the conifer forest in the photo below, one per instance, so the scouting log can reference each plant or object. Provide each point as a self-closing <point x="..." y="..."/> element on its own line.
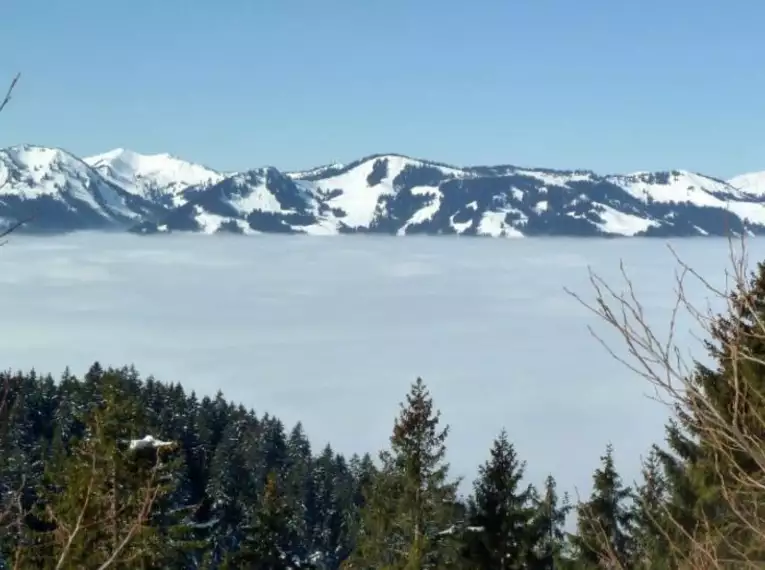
<point x="114" y="470"/>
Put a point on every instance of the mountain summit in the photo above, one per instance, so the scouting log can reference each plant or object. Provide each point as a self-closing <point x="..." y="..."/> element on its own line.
<point x="60" y="192"/>
<point x="158" y="177"/>
<point x="381" y="194"/>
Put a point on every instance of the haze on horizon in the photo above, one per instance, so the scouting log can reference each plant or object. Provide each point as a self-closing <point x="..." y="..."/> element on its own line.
<point x="332" y="331"/>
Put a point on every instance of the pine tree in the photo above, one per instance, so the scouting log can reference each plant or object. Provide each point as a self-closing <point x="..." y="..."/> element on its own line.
<point x="269" y="539"/>
<point x="363" y="472"/>
<point x="650" y="513"/>
<point x="605" y="521"/>
<point x="97" y="501"/>
<point x="695" y="466"/>
<point x="343" y="522"/>
<point x="232" y="487"/>
<point x="408" y="517"/>
<point x="549" y="524"/>
<point x="300" y="490"/>
<point x="501" y="513"/>
<point x="326" y="522"/>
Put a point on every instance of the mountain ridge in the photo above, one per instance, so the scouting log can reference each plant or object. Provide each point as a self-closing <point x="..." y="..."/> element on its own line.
<point x="382" y="193"/>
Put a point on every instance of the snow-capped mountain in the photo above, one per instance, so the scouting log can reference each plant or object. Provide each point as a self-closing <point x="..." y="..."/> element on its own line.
<point x="157" y="177"/>
<point x="260" y="200"/>
<point x="385" y="194"/>
<point x="398" y="195"/>
<point x="56" y="191"/>
<point x="752" y="183"/>
<point x="317" y="172"/>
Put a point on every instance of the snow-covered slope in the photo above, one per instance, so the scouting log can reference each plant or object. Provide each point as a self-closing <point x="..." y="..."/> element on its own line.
<point x="752" y="183"/>
<point x="397" y="195"/>
<point x="317" y="172"/>
<point x="384" y="194"/>
<point x="157" y="177"/>
<point x="261" y="200"/>
<point x="60" y="192"/>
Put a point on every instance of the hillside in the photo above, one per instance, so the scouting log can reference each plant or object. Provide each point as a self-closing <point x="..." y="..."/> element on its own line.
<point x="381" y="194"/>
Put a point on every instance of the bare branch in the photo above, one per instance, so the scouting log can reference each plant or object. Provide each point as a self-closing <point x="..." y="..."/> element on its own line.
<point x="733" y="437"/>
<point x="12" y="228"/>
<point x="9" y="93"/>
<point x="3" y="104"/>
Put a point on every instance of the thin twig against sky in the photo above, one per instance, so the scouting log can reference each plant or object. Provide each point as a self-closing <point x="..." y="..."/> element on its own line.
<point x="9" y="93"/>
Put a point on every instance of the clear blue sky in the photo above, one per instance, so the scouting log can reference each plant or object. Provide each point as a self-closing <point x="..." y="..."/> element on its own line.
<point x="611" y="85"/>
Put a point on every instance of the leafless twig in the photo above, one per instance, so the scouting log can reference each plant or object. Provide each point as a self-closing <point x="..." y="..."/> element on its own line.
<point x="3" y="104"/>
<point x="9" y="93"/>
<point x="733" y="434"/>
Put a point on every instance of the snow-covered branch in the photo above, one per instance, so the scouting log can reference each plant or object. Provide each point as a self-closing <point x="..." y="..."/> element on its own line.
<point x="149" y="442"/>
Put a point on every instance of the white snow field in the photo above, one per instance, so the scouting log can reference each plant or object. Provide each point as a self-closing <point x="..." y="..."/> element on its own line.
<point x="333" y="330"/>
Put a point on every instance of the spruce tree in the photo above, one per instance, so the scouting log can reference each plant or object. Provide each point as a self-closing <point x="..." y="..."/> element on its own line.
<point x="605" y="520"/>
<point x="327" y="521"/>
<point x="501" y="513"/>
<point x="232" y="487"/>
<point x="549" y="524"/>
<point x="651" y="550"/>
<point x="344" y="519"/>
<point x="407" y="522"/>
<point x="269" y="539"/>
<point x="697" y="465"/>
<point x="300" y="493"/>
<point x="97" y="501"/>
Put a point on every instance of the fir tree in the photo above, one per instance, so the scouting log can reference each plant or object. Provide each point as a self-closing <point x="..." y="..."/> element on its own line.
<point x="604" y="522"/>
<point x="698" y="465"/>
<point x="407" y="520"/>
<point x="650" y="513"/>
<point x="327" y="521"/>
<point x="300" y="492"/>
<point x="549" y="524"/>
<point x="97" y="502"/>
<point x="269" y="539"/>
<point x="232" y="487"/>
<point x="343" y="521"/>
<point x="501" y="513"/>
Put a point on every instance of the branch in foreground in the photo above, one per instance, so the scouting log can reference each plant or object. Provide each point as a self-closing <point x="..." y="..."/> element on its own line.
<point x="720" y="411"/>
<point x="4" y="102"/>
<point x="13" y="227"/>
<point x="9" y="93"/>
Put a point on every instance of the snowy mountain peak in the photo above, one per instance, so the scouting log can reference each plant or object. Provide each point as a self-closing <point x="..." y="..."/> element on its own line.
<point x="153" y="176"/>
<point x="316" y="172"/>
<point x="674" y="186"/>
<point x="30" y="170"/>
<point x="34" y="156"/>
<point x="387" y="193"/>
<point x="59" y="191"/>
<point x="751" y="183"/>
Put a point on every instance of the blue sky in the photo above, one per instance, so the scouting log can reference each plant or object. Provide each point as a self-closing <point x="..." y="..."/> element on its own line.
<point x="609" y="85"/>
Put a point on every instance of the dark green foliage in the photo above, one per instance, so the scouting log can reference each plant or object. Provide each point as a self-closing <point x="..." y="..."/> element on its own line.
<point x="215" y="480"/>
<point x="549" y="523"/>
<point x="651" y="548"/>
<point x="408" y="517"/>
<point x="729" y="393"/>
<point x="101" y="499"/>
<point x="237" y="490"/>
<point x="501" y="533"/>
<point x="268" y="541"/>
<point x="604" y="522"/>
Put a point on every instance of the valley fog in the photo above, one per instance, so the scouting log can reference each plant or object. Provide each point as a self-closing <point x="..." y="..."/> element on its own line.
<point x="331" y="331"/>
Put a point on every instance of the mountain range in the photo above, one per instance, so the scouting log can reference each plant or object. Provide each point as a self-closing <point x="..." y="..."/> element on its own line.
<point x="120" y="190"/>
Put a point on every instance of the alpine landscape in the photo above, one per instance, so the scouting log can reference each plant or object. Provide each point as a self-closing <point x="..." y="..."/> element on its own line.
<point x="122" y="190"/>
<point x="402" y="285"/>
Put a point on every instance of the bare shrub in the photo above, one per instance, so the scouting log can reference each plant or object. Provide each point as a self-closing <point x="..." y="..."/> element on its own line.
<point x="731" y="437"/>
